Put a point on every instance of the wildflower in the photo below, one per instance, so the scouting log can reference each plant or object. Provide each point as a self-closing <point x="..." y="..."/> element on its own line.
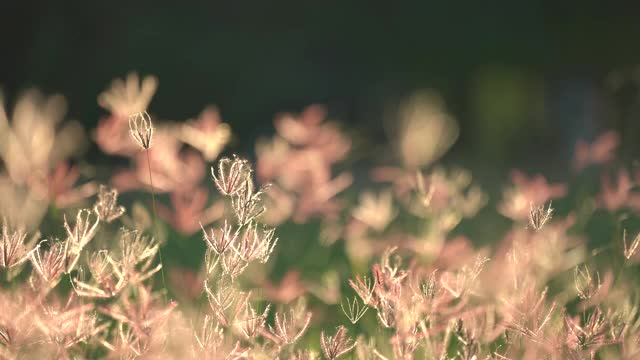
<point x="299" y="160"/>
<point x="462" y="281"/>
<point x="233" y="264"/>
<point x="301" y="129"/>
<point x="389" y="271"/>
<point x="280" y="206"/>
<point x="600" y="151"/>
<point x="222" y="298"/>
<point x="525" y="191"/>
<point x="50" y="264"/>
<point x="69" y="325"/>
<point x="137" y="254"/>
<point x="124" y="97"/>
<point x="211" y="335"/>
<point x="78" y="237"/>
<point x="388" y="309"/>
<point x="221" y="240"/>
<point x="630" y="249"/>
<point x="13" y="249"/>
<point x="585" y="284"/>
<point x="531" y="319"/>
<point x="211" y="342"/>
<point x="60" y="189"/>
<point x="425" y="129"/>
<point x="365" y="287"/>
<point x="538" y="216"/>
<point x="20" y="205"/>
<point x="232" y="175"/>
<point x="354" y="311"/>
<point x="289" y="329"/>
<point x="289" y="288"/>
<point x="126" y="344"/>
<point x="594" y="334"/>
<point x="170" y="168"/>
<point x="108" y="279"/>
<point x="429" y="289"/>
<point x="376" y="212"/>
<point x="208" y="134"/>
<point x="188" y="212"/>
<point x="256" y="244"/>
<point x="143" y="314"/>
<point x="106" y="206"/>
<point x="250" y="323"/>
<point x="319" y="199"/>
<point x="618" y="193"/>
<point x="34" y="142"/>
<point x="247" y="204"/>
<point x="335" y="346"/>
<point x="469" y="344"/>
<point x="128" y="96"/>
<point x="141" y="129"/>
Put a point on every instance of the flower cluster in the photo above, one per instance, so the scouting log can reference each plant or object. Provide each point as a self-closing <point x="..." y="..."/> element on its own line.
<point x="420" y="263"/>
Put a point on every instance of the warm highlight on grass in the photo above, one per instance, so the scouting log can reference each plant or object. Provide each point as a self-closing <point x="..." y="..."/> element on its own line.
<point x="388" y="276"/>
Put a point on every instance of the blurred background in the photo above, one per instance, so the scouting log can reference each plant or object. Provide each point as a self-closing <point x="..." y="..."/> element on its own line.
<point x="525" y="80"/>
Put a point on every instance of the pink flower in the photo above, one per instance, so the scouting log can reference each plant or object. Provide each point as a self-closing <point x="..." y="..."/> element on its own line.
<point x="600" y="151"/>
<point x="299" y="161"/>
<point x="112" y="136"/>
<point x="171" y="169"/>
<point x="617" y="195"/>
<point x="289" y="288"/>
<point x="60" y="187"/>
<point x="189" y="210"/>
<point x="527" y="192"/>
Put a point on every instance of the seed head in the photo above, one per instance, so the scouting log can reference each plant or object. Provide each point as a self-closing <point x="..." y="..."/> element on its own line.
<point x="223" y="296"/>
<point x="256" y="243"/>
<point x="233" y="264"/>
<point x="538" y="216"/>
<point x="353" y="311"/>
<point x="290" y="327"/>
<point x="50" y="264"/>
<point x="250" y="323"/>
<point x="219" y="241"/>
<point x="13" y="249"/>
<point x="365" y="287"/>
<point x="335" y="346"/>
<point x="107" y="207"/>
<point x="232" y="174"/>
<point x="79" y="236"/>
<point x="247" y="203"/>
<point x="141" y="129"/>
<point x="108" y="279"/>
<point x="587" y="285"/>
<point x="138" y="251"/>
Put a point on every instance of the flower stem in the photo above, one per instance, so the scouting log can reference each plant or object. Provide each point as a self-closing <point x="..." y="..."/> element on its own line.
<point x="154" y="223"/>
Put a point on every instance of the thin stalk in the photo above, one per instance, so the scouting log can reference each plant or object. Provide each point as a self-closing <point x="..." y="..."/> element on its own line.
<point x="201" y="300"/>
<point x="154" y="223"/>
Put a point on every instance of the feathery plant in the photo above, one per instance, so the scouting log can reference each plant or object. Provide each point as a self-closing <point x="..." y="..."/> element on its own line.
<point x="557" y="283"/>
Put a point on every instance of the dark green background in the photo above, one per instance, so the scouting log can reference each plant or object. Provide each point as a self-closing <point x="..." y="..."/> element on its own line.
<point x="515" y="74"/>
